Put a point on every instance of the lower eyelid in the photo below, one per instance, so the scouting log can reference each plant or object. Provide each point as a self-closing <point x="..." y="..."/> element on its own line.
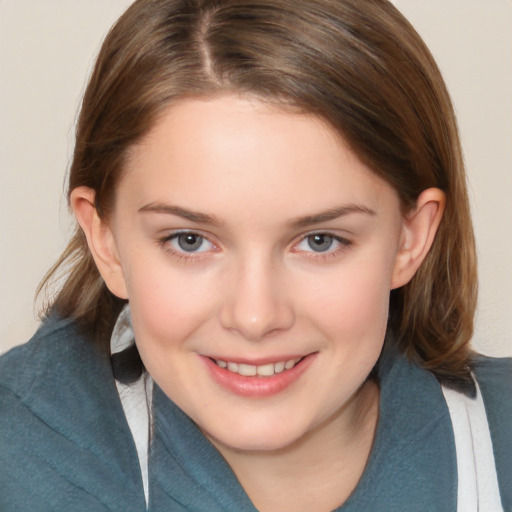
<point x="339" y="243"/>
<point x="169" y="244"/>
<point x="327" y="255"/>
<point x="204" y="241"/>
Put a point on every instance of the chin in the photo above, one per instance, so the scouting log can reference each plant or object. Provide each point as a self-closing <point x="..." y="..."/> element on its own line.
<point x="272" y="436"/>
<point x="261" y="444"/>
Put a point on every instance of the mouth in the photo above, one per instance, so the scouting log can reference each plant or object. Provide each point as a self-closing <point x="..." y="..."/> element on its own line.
<point x="264" y="370"/>
<point x="258" y="380"/>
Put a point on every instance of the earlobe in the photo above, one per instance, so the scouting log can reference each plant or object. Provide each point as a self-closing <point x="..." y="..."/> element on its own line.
<point x="419" y="228"/>
<point x="100" y="240"/>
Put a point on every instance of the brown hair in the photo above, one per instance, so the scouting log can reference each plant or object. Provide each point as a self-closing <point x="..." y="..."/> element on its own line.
<point x="356" y="63"/>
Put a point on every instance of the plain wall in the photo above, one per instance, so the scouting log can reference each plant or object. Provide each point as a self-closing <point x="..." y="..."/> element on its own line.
<point x="46" y="51"/>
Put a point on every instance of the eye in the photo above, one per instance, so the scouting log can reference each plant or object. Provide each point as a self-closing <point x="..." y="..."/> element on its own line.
<point x="189" y="242"/>
<point x="322" y="244"/>
<point x="319" y="242"/>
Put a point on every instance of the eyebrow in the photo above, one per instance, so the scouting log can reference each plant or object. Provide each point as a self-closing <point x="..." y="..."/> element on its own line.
<point x="184" y="213"/>
<point x="330" y="214"/>
<point x="299" y="222"/>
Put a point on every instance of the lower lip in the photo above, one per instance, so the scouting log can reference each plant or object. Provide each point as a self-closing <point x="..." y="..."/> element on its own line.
<point x="257" y="387"/>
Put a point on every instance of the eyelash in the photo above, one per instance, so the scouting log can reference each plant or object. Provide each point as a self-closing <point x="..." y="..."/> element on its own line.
<point x="342" y="245"/>
<point x="182" y="255"/>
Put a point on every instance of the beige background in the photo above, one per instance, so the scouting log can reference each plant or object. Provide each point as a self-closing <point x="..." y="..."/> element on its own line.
<point x="47" y="48"/>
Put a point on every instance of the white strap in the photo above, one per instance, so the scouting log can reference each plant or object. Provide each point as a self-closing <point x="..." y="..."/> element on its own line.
<point x="135" y="397"/>
<point x="478" y="489"/>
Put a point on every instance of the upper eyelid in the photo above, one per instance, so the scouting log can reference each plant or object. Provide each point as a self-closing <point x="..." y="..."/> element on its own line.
<point x="166" y="243"/>
<point x="326" y="232"/>
<point x="175" y="233"/>
<point x="343" y="242"/>
<point x="185" y="231"/>
<point x="296" y="240"/>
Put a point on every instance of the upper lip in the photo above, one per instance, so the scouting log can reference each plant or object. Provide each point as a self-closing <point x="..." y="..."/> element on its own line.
<point x="258" y="361"/>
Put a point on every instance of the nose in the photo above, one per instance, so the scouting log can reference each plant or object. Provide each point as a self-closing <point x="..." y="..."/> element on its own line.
<point x="256" y="302"/>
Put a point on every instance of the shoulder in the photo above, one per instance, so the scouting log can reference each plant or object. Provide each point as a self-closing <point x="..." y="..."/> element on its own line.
<point x="62" y="427"/>
<point x="56" y="345"/>
<point x="494" y="376"/>
<point x="497" y="370"/>
<point x="58" y="365"/>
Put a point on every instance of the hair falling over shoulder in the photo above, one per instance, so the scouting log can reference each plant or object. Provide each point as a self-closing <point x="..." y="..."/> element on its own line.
<point x="358" y="64"/>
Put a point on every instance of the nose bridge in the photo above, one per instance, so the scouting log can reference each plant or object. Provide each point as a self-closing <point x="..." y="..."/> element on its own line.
<point x="257" y="303"/>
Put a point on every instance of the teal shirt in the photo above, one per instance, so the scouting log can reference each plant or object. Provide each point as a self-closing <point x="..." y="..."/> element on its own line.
<point x="65" y="444"/>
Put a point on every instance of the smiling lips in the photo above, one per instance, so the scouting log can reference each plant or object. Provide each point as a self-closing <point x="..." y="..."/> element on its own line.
<point x="258" y="381"/>
<point x="265" y="370"/>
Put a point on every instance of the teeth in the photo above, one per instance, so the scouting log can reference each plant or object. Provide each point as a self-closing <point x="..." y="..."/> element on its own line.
<point x="233" y="367"/>
<point x="279" y="367"/>
<point x="247" y="370"/>
<point x="265" y="370"/>
<point x="289" y="364"/>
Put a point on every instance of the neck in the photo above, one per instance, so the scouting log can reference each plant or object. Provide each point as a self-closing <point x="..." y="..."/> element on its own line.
<point x="317" y="472"/>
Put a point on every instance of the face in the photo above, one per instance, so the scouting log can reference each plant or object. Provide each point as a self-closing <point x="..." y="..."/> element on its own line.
<point x="257" y="253"/>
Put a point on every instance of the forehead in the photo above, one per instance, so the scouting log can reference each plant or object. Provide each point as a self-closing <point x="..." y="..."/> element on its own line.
<point x="229" y="149"/>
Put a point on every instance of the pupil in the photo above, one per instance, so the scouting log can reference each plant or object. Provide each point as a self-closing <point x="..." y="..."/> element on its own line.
<point x="189" y="242"/>
<point x="320" y="243"/>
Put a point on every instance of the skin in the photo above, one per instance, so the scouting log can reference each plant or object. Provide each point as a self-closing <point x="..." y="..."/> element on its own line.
<point x="257" y="287"/>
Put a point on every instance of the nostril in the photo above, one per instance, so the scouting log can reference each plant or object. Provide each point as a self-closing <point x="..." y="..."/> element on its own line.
<point x="256" y="305"/>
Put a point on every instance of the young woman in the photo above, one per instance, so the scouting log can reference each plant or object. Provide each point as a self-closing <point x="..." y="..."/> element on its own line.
<point x="268" y="301"/>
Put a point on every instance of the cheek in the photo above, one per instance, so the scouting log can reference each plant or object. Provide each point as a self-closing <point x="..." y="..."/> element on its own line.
<point x="166" y="304"/>
<point x="355" y="301"/>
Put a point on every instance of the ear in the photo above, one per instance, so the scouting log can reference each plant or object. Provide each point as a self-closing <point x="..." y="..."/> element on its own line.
<point x="419" y="228"/>
<point x="100" y="240"/>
